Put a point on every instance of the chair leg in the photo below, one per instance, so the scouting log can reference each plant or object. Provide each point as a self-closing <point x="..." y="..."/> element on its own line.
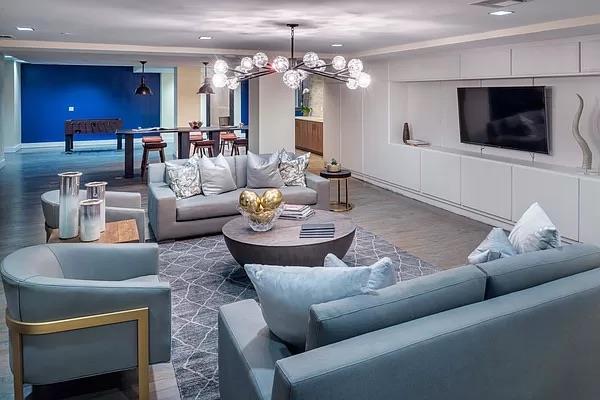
<point x="210" y="152"/>
<point x="233" y="149"/>
<point x="48" y="232"/>
<point x="162" y="155"/>
<point x="144" y="162"/>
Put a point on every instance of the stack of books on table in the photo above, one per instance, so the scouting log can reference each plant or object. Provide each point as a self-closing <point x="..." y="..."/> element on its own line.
<point x="293" y="211"/>
<point x="326" y="230"/>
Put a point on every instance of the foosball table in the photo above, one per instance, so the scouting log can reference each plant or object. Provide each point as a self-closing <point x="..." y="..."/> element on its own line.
<point x="91" y="126"/>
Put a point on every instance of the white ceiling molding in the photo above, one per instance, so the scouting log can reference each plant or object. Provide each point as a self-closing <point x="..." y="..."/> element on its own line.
<point x="563" y="24"/>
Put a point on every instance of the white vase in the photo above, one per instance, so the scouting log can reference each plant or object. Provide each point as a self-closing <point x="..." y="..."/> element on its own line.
<point x="90" y="220"/>
<point x="68" y="200"/>
<point x="97" y="191"/>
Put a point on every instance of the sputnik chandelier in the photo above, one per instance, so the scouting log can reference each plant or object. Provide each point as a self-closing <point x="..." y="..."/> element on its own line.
<point x="294" y="71"/>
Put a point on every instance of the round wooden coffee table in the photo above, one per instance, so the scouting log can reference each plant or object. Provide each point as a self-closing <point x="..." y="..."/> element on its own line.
<point x="282" y="244"/>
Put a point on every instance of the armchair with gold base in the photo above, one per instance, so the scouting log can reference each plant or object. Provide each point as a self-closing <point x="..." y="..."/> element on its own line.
<point x="77" y="310"/>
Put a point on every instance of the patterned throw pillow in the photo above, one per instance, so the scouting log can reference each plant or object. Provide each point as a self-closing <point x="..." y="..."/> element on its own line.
<point x="293" y="168"/>
<point x="184" y="180"/>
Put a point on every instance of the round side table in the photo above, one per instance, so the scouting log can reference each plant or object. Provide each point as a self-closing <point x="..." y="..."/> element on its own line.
<point x="343" y="175"/>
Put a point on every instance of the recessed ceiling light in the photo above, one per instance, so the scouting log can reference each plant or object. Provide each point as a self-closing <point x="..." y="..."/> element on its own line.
<point x="501" y="13"/>
<point x="25" y="28"/>
<point x="337" y="45"/>
<point x="205" y="37"/>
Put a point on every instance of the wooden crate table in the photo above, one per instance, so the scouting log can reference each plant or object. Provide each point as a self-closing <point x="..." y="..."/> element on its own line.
<point x="116" y="232"/>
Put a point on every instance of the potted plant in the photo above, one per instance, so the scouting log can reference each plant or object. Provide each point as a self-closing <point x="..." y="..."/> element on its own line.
<point x="306" y="111"/>
<point x="334" y="166"/>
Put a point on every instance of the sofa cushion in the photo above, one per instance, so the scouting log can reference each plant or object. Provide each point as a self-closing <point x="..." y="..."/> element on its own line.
<point x="217" y="175"/>
<point x="204" y="207"/>
<point x="383" y="272"/>
<point x="240" y="170"/>
<point x="338" y="320"/>
<point x="534" y="231"/>
<point x="263" y="172"/>
<point x="495" y="245"/>
<point x="523" y="271"/>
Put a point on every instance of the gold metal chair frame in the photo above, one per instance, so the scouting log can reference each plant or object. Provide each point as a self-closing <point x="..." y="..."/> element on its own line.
<point x="18" y="329"/>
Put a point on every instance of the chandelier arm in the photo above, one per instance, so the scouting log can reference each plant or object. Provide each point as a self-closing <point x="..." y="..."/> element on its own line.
<point x="327" y="75"/>
<point x="257" y="75"/>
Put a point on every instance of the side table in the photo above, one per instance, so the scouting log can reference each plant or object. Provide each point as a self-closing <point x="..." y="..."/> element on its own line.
<point x="338" y="177"/>
<point x="116" y="232"/>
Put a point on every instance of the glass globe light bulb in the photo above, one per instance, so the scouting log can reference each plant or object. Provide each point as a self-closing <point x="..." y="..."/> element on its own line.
<point x="260" y="59"/>
<point x="280" y="64"/>
<point x="352" y="84"/>
<point x="219" y="80"/>
<point x="321" y="65"/>
<point x="302" y="74"/>
<point x="247" y="64"/>
<point x="233" y="83"/>
<point x="363" y="80"/>
<point x="220" y="67"/>
<point x="292" y="79"/>
<point x="338" y="63"/>
<point x="355" y="67"/>
<point x="310" y="59"/>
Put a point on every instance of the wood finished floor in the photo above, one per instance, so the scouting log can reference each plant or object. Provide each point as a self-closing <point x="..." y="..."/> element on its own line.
<point x="435" y="235"/>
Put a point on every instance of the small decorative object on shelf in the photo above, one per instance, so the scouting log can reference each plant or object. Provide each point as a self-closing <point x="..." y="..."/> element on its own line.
<point x="586" y="163"/>
<point x="195" y="124"/>
<point x="333" y="166"/>
<point x="68" y="200"/>
<point x="97" y="191"/>
<point x="406" y="133"/>
<point x="261" y="212"/>
<point x="90" y="220"/>
<point x="417" y="142"/>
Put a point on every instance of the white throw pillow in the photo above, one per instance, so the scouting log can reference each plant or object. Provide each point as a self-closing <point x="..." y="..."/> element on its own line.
<point x="262" y="172"/>
<point x="383" y="273"/>
<point x="286" y="294"/>
<point x="534" y="231"/>
<point x="184" y="180"/>
<point x="216" y="176"/>
<point x="496" y="245"/>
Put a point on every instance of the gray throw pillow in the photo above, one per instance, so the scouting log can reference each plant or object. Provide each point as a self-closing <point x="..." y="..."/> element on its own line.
<point x="286" y="294"/>
<point x="534" y="231"/>
<point x="293" y="168"/>
<point x="496" y="245"/>
<point x="262" y="172"/>
<point x="383" y="273"/>
<point x="184" y="180"/>
<point x="215" y="176"/>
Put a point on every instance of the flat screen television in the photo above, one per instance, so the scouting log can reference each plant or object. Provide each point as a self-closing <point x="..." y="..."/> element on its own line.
<point x="508" y="117"/>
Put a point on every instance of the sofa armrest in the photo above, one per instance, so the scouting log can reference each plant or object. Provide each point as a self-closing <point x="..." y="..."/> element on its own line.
<point x="120" y="214"/>
<point x="321" y="186"/>
<point x="156" y="173"/>
<point x="71" y="298"/>
<point x="162" y="208"/>
<point x="123" y="199"/>
<point x="247" y="352"/>
<point x="106" y="262"/>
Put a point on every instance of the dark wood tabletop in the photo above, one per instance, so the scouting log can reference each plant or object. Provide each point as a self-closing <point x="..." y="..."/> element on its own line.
<point x="345" y="173"/>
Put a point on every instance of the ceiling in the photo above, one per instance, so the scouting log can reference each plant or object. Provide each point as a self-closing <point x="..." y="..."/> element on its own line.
<point x="361" y="26"/>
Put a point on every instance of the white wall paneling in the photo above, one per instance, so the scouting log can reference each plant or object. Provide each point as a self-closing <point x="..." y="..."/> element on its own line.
<point x="351" y="129"/>
<point x="548" y="58"/>
<point x="485" y="63"/>
<point x="426" y="68"/>
<point x="486" y="186"/>
<point x="589" y="210"/>
<point x="331" y="119"/>
<point x="590" y="55"/>
<point x="440" y="175"/>
<point x="276" y="122"/>
<point x="557" y="193"/>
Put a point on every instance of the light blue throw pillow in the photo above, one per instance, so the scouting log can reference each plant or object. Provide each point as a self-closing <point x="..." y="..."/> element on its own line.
<point x="286" y="294"/>
<point x="383" y="273"/>
<point x="496" y="245"/>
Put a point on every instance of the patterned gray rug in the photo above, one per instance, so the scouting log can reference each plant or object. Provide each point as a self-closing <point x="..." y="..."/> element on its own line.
<point x="204" y="276"/>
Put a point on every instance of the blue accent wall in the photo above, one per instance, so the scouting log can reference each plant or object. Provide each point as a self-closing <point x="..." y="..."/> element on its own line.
<point x="244" y="95"/>
<point x="47" y="91"/>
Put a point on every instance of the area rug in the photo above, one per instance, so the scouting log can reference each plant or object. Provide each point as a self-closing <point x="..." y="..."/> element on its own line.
<point x="204" y="276"/>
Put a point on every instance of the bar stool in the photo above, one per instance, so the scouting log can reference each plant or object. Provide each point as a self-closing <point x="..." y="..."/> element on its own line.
<point x="237" y="143"/>
<point x="225" y="138"/>
<point x="199" y="143"/>
<point x="152" y="143"/>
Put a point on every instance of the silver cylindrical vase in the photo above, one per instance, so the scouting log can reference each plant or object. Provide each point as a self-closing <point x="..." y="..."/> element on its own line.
<point x="90" y="220"/>
<point x="68" y="209"/>
<point x="97" y="191"/>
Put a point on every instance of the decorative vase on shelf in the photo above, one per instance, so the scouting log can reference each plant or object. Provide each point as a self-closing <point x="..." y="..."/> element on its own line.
<point x="406" y="133"/>
<point x="97" y="191"/>
<point x="586" y="163"/>
<point x="90" y="220"/>
<point x="68" y="200"/>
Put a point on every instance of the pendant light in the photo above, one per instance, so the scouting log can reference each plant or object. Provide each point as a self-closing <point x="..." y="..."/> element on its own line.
<point x="143" y="89"/>
<point x="206" y="88"/>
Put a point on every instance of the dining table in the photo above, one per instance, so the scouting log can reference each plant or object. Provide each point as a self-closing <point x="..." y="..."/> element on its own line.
<point x="183" y="140"/>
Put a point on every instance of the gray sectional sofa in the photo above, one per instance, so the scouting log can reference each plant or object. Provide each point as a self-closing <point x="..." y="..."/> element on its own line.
<point x="203" y="215"/>
<point x="524" y="327"/>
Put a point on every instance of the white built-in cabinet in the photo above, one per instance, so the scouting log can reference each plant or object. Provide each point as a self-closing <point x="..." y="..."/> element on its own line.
<point x="589" y="210"/>
<point x="440" y="175"/>
<point x="485" y="63"/>
<point x="590" y="55"/>
<point x="545" y="59"/>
